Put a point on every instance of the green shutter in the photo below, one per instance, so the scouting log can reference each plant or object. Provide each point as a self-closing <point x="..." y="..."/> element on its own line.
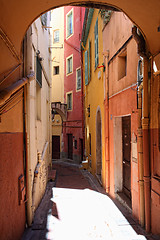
<point x="96" y="43"/>
<point x="89" y="67"/>
<point x="86" y="67"/>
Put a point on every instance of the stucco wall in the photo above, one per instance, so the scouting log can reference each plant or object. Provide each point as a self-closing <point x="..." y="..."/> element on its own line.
<point x="94" y="96"/>
<point x="12" y="220"/>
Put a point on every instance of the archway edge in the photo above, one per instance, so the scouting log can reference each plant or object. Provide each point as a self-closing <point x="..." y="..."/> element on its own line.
<point x="16" y="16"/>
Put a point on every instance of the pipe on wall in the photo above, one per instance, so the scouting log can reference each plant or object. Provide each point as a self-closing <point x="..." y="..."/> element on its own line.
<point x="140" y="155"/>
<point x="107" y="155"/>
<point x="146" y="160"/>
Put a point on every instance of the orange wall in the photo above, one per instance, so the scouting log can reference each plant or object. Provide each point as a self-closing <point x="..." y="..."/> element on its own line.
<point x="155" y="155"/>
<point x="12" y="220"/>
<point x="124" y="103"/>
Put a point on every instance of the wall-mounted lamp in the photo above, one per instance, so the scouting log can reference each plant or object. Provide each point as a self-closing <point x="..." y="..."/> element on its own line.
<point x="88" y="110"/>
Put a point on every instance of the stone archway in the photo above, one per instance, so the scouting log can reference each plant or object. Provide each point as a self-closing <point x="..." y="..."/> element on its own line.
<point x="99" y="144"/>
<point x="22" y="13"/>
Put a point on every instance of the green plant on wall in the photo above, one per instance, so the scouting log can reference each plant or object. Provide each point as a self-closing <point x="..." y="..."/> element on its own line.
<point x="105" y="15"/>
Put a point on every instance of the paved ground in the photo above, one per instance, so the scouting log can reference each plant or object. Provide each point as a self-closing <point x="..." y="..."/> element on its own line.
<point x="76" y="207"/>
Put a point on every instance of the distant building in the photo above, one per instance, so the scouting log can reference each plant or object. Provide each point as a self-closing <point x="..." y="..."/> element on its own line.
<point x="67" y="137"/>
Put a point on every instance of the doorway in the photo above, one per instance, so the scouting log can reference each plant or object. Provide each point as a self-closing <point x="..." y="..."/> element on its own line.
<point x="126" y="153"/>
<point x="55" y="147"/>
<point x="70" y="146"/>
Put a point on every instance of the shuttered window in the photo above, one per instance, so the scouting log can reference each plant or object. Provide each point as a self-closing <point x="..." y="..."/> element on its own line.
<point x="69" y="101"/>
<point x="78" y="78"/>
<point x="44" y="19"/>
<point x="86" y="67"/>
<point x="38" y="71"/>
<point x="89" y="67"/>
<point x="96" y="43"/>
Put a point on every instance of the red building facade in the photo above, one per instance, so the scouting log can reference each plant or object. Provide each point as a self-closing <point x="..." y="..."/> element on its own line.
<point x="72" y="143"/>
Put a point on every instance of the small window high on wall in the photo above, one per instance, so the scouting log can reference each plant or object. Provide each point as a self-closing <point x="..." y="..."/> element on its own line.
<point x="69" y="63"/>
<point x="78" y="77"/>
<point x="56" y="36"/>
<point x="69" y="24"/>
<point x="122" y="65"/>
<point x="69" y="101"/>
<point x="56" y="70"/>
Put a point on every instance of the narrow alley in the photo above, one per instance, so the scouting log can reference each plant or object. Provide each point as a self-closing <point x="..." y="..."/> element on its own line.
<point x="66" y="210"/>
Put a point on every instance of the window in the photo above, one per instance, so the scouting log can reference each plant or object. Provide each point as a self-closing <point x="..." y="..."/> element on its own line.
<point x="86" y="67"/>
<point x="122" y="65"/>
<point x="38" y="71"/>
<point x="69" y="101"/>
<point x="38" y="101"/>
<point x="56" y="36"/>
<point x="69" y="65"/>
<point x="78" y="77"/>
<point x="69" y="22"/>
<point x="56" y="70"/>
<point x="89" y="66"/>
<point x="96" y="43"/>
<point x="44" y="19"/>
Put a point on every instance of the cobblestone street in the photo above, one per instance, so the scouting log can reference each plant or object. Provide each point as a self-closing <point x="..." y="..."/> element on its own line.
<point x="75" y="206"/>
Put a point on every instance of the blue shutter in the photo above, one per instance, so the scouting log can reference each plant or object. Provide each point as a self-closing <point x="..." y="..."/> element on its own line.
<point x="86" y="67"/>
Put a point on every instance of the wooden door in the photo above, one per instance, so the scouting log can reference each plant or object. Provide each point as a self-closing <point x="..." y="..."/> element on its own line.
<point x="55" y="147"/>
<point x="126" y="138"/>
<point x="70" y="146"/>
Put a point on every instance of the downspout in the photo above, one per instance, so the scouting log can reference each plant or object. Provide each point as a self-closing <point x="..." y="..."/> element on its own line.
<point x="107" y="124"/>
<point x="145" y="129"/>
<point x="146" y="160"/>
<point x="140" y="155"/>
<point x="82" y="100"/>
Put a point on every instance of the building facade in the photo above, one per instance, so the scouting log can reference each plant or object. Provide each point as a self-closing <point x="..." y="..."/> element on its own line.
<point x="38" y="122"/>
<point x="93" y="87"/>
<point x="24" y="140"/>
<point x="72" y="128"/>
<point x="57" y="106"/>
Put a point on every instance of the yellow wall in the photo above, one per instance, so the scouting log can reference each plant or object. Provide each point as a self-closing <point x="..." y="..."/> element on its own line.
<point x="94" y="95"/>
<point x="58" y="55"/>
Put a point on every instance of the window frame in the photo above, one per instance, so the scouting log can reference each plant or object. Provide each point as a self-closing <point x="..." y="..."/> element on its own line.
<point x="78" y="89"/>
<point x="56" y="30"/>
<point x="67" y="94"/>
<point x="68" y="73"/>
<point x="67" y="15"/>
<point x="54" y="70"/>
<point x="122" y="64"/>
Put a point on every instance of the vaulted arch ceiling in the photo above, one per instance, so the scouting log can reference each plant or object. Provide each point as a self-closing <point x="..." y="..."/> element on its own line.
<point x="16" y="16"/>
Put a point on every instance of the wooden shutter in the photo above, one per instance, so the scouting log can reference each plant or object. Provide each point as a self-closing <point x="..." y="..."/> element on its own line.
<point x="86" y="67"/>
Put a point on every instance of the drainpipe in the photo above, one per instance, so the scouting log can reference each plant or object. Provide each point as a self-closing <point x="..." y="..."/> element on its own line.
<point x="140" y="155"/>
<point x="146" y="160"/>
<point x="145" y="126"/>
<point x="107" y="125"/>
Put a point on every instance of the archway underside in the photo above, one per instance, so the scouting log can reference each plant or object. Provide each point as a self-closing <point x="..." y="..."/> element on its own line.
<point x="16" y="16"/>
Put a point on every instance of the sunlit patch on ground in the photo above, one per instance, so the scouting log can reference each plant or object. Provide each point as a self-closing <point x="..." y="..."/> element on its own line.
<point x="85" y="215"/>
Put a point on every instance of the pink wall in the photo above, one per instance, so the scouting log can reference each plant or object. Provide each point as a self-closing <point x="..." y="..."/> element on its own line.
<point x="72" y="46"/>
